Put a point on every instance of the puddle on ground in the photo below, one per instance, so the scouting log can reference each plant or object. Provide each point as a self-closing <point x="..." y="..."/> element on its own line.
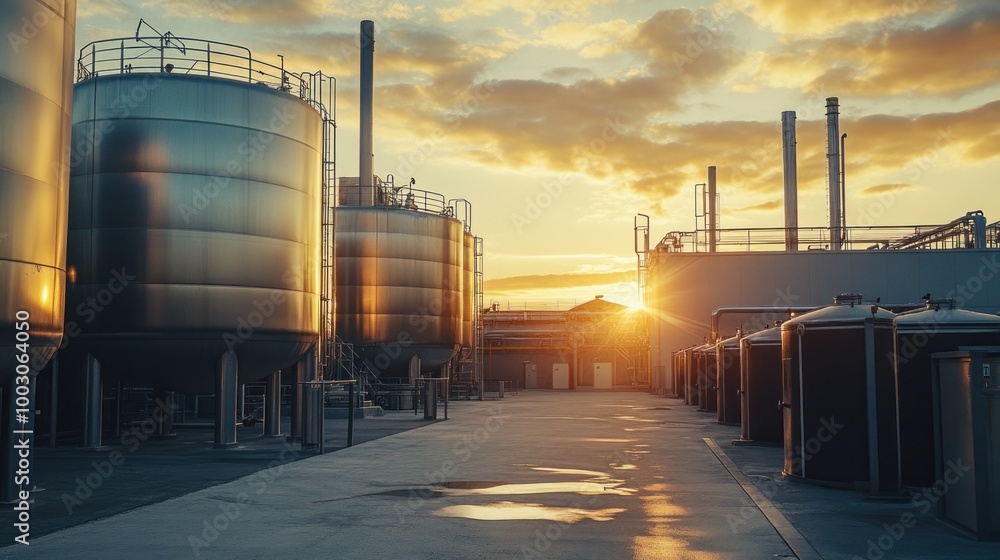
<point x="566" y="418"/>
<point x="505" y="511"/>
<point x="578" y="472"/>
<point x="607" y="440"/>
<point x="606" y="486"/>
<point x="634" y="419"/>
<point x="623" y="467"/>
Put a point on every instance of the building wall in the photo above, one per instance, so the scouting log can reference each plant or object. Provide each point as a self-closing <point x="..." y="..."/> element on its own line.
<point x="687" y="287"/>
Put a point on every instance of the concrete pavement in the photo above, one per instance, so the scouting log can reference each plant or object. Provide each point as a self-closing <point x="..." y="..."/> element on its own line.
<point x="539" y="475"/>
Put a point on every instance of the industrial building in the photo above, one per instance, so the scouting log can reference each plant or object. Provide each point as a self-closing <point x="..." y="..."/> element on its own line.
<point x="857" y="334"/>
<point x="595" y="345"/>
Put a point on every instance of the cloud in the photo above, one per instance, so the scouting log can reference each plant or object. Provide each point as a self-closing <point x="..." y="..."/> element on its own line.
<point x="885" y="188"/>
<point x="761" y="207"/>
<point x="587" y="38"/>
<point x="103" y="8"/>
<point x="568" y="74"/>
<point x="553" y="281"/>
<point x="265" y="12"/>
<point x="530" y="10"/>
<point x="812" y="18"/>
<point x="685" y="45"/>
<point x="952" y="57"/>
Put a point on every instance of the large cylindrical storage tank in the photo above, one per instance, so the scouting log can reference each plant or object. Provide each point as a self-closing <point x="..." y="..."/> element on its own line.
<point x="194" y="227"/>
<point x="839" y="394"/>
<point x="36" y="80"/>
<point x="760" y="387"/>
<point x="727" y="364"/>
<point x="938" y="328"/>
<point x="399" y="287"/>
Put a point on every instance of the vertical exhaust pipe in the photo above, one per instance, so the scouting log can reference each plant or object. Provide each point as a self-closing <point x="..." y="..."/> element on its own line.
<point x="833" y="165"/>
<point x="713" y="226"/>
<point x="366" y="172"/>
<point x="791" y="181"/>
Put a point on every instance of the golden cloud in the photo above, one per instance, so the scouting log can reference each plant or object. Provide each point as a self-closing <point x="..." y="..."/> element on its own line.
<point x="243" y="11"/>
<point x="885" y="188"/>
<point x="811" y="18"/>
<point x="955" y="56"/>
<point x="553" y="281"/>
<point x="530" y="10"/>
<point x="766" y="206"/>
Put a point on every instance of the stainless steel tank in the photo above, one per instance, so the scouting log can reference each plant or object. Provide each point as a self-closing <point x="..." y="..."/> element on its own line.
<point x="399" y="286"/>
<point x="940" y="327"/>
<point x="760" y="387"/>
<point x="36" y="77"/>
<point x="839" y="396"/>
<point x="194" y="226"/>
<point x="727" y="366"/>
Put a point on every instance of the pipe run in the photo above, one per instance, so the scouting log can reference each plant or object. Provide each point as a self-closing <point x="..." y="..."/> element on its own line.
<point x="748" y="310"/>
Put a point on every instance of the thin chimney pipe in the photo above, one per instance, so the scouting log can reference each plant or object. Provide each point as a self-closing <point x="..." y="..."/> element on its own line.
<point x="366" y="173"/>
<point x="833" y="165"/>
<point x="788" y="156"/>
<point x="712" y="210"/>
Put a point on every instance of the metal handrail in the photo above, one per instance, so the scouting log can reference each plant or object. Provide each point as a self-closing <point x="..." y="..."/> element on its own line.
<point x="162" y="54"/>
<point x="409" y="198"/>
<point x="857" y="237"/>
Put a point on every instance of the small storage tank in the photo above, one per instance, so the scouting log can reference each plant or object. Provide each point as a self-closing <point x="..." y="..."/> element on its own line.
<point x="36" y="80"/>
<point x="694" y="357"/>
<point x="677" y="372"/>
<point x="940" y="327"/>
<point x="760" y="387"/>
<point x="194" y="226"/>
<point x="727" y="360"/>
<point x="839" y="396"/>
<point x="708" y="378"/>
<point x="399" y="286"/>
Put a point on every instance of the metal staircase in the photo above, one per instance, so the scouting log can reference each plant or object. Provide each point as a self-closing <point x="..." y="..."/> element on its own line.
<point x="350" y="365"/>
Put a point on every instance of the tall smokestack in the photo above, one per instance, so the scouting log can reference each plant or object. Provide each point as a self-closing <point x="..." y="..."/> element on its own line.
<point x="366" y="172"/>
<point x="833" y="163"/>
<point x="791" y="181"/>
<point x="712" y="211"/>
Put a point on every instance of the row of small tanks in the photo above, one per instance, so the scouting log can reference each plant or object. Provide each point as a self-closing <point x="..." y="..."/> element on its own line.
<point x="846" y="389"/>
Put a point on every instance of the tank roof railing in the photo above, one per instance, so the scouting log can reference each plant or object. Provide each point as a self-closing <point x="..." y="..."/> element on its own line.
<point x="408" y="198"/>
<point x="170" y="54"/>
<point x="961" y="233"/>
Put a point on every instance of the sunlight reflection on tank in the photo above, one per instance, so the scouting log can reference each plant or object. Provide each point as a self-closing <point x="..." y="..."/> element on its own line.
<point x="502" y="511"/>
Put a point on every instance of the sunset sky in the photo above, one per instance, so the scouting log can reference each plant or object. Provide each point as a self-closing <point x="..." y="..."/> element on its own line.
<point x="561" y="120"/>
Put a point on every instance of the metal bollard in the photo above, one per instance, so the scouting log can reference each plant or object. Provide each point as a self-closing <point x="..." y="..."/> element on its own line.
<point x="430" y="400"/>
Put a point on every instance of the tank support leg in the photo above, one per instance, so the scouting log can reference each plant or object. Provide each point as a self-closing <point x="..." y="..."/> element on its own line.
<point x="311" y="395"/>
<point x="225" y="401"/>
<point x="92" y="395"/>
<point x="297" y="391"/>
<point x="54" y="402"/>
<point x="163" y="418"/>
<point x="272" y="405"/>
